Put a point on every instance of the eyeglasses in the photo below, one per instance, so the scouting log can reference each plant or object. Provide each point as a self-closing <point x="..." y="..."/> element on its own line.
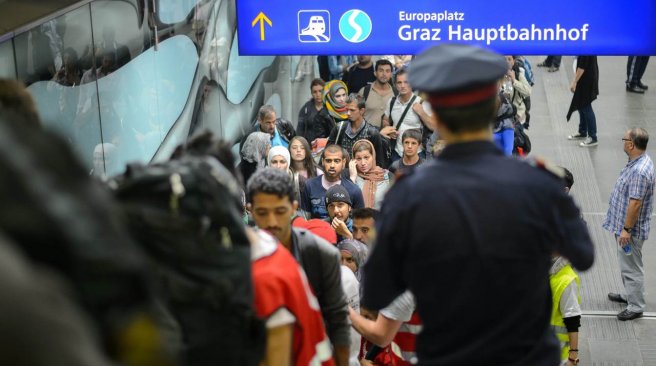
<point x="626" y="139"/>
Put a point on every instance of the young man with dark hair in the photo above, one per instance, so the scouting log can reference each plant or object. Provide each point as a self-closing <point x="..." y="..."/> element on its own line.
<point x="411" y="159"/>
<point x="494" y="257"/>
<point x="357" y="128"/>
<point x="339" y="204"/>
<point x="360" y="74"/>
<point x="364" y="224"/>
<point x="271" y="201"/>
<point x="309" y="110"/>
<point x="334" y="162"/>
<point x="407" y="111"/>
<point x="377" y="94"/>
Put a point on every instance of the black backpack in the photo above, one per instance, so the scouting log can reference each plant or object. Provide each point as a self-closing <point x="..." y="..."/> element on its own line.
<point x="63" y="220"/>
<point x="186" y="214"/>
<point x="521" y="143"/>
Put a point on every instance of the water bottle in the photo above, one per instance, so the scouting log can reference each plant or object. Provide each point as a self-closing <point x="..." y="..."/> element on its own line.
<point x="627" y="248"/>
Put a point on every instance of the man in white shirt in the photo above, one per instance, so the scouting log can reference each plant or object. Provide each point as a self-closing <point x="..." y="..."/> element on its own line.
<point x="398" y="120"/>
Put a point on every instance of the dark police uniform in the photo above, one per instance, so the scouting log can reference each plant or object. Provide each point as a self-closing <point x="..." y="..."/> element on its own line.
<point x="471" y="234"/>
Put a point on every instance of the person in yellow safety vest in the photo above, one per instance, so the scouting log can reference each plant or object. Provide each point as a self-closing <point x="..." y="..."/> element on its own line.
<point x="566" y="309"/>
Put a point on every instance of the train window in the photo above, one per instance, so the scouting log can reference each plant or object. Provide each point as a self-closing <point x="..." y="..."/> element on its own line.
<point x="243" y="71"/>
<point x="7" y="63"/>
<point x="175" y="11"/>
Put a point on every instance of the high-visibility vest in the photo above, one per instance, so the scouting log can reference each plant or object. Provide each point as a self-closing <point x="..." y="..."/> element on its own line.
<point x="559" y="282"/>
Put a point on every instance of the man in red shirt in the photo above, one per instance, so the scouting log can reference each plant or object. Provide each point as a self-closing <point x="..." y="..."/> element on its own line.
<point x="295" y="331"/>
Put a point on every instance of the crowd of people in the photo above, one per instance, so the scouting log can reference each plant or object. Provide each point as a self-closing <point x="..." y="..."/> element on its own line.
<point x="341" y="229"/>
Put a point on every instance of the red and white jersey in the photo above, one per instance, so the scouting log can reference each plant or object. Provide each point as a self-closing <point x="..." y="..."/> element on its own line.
<point x="280" y="283"/>
<point x="403" y="345"/>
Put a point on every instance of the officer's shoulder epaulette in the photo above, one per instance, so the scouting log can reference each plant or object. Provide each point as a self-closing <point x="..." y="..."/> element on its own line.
<point x="545" y="165"/>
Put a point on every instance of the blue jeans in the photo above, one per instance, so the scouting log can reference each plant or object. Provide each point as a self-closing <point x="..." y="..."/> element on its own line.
<point x="505" y="140"/>
<point x="588" y="122"/>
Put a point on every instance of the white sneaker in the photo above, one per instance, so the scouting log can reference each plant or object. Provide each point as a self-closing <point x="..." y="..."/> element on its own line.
<point x="576" y="137"/>
<point x="589" y="142"/>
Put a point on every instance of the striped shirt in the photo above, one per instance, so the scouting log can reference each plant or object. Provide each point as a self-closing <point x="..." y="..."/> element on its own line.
<point x="636" y="181"/>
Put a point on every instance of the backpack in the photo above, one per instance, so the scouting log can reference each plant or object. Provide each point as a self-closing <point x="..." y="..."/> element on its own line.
<point x="528" y="69"/>
<point x="367" y="90"/>
<point x="186" y="214"/>
<point x="64" y="220"/>
<point x="521" y="143"/>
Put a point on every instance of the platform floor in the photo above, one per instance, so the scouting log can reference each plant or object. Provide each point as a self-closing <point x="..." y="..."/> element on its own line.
<point x="604" y="339"/>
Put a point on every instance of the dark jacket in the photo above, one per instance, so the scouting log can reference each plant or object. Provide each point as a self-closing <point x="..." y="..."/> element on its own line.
<point x="306" y="120"/>
<point x="284" y="127"/>
<point x="322" y="125"/>
<point x="587" y="88"/>
<point x="367" y="132"/>
<point x="440" y="232"/>
<point x="321" y="262"/>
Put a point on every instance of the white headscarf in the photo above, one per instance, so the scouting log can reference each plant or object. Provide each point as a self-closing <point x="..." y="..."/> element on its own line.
<point x="279" y="151"/>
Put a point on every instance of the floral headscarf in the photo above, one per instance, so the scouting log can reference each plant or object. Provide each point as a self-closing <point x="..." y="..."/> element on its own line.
<point x="255" y="148"/>
<point x="358" y="251"/>
<point x="335" y="109"/>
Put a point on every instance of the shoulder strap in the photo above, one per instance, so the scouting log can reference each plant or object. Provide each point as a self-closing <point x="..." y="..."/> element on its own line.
<point x="367" y="90"/>
<point x="339" y="132"/>
<point x="407" y="108"/>
<point x="392" y="101"/>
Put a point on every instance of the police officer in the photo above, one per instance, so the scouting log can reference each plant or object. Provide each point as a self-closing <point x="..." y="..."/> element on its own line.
<point x="472" y="232"/>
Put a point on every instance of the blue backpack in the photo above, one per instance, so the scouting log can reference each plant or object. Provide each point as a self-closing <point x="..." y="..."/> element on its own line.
<point x="528" y="70"/>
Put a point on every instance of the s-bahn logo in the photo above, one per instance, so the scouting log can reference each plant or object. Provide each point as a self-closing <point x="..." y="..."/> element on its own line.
<point x="355" y="26"/>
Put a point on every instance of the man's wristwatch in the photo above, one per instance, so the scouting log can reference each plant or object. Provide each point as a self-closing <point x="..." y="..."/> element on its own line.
<point x="573" y="360"/>
<point x="628" y="229"/>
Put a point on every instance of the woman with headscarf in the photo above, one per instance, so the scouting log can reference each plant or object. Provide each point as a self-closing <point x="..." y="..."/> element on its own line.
<point x="354" y="254"/>
<point x="254" y="154"/>
<point x="279" y="158"/>
<point x="373" y="180"/>
<point x="335" y="93"/>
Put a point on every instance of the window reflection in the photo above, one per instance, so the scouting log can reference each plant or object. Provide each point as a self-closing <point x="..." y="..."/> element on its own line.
<point x="7" y="64"/>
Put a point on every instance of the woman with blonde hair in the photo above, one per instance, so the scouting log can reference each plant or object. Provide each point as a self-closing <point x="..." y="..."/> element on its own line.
<point x="373" y="180"/>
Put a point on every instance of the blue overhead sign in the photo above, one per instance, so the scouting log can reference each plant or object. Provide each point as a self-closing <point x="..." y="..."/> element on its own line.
<point x="401" y="27"/>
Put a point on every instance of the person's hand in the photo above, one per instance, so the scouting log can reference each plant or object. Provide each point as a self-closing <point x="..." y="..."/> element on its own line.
<point x="353" y="170"/>
<point x="389" y="132"/>
<point x="624" y="238"/>
<point x="572" y="87"/>
<point x="364" y="362"/>
<point x="341" y="229"/>
<point x="511" y="74"/>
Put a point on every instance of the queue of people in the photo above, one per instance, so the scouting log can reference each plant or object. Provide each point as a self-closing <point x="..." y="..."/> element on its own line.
<point x="327" y="232"/>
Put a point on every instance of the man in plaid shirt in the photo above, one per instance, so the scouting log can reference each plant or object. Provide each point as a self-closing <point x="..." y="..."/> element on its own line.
<point x="628" y="218"/>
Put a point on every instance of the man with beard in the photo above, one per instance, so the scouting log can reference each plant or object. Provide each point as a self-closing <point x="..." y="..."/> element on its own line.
<point x="270" y="199"/>
<point x="377" y="94"/>
<point x="334" y="161"/>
